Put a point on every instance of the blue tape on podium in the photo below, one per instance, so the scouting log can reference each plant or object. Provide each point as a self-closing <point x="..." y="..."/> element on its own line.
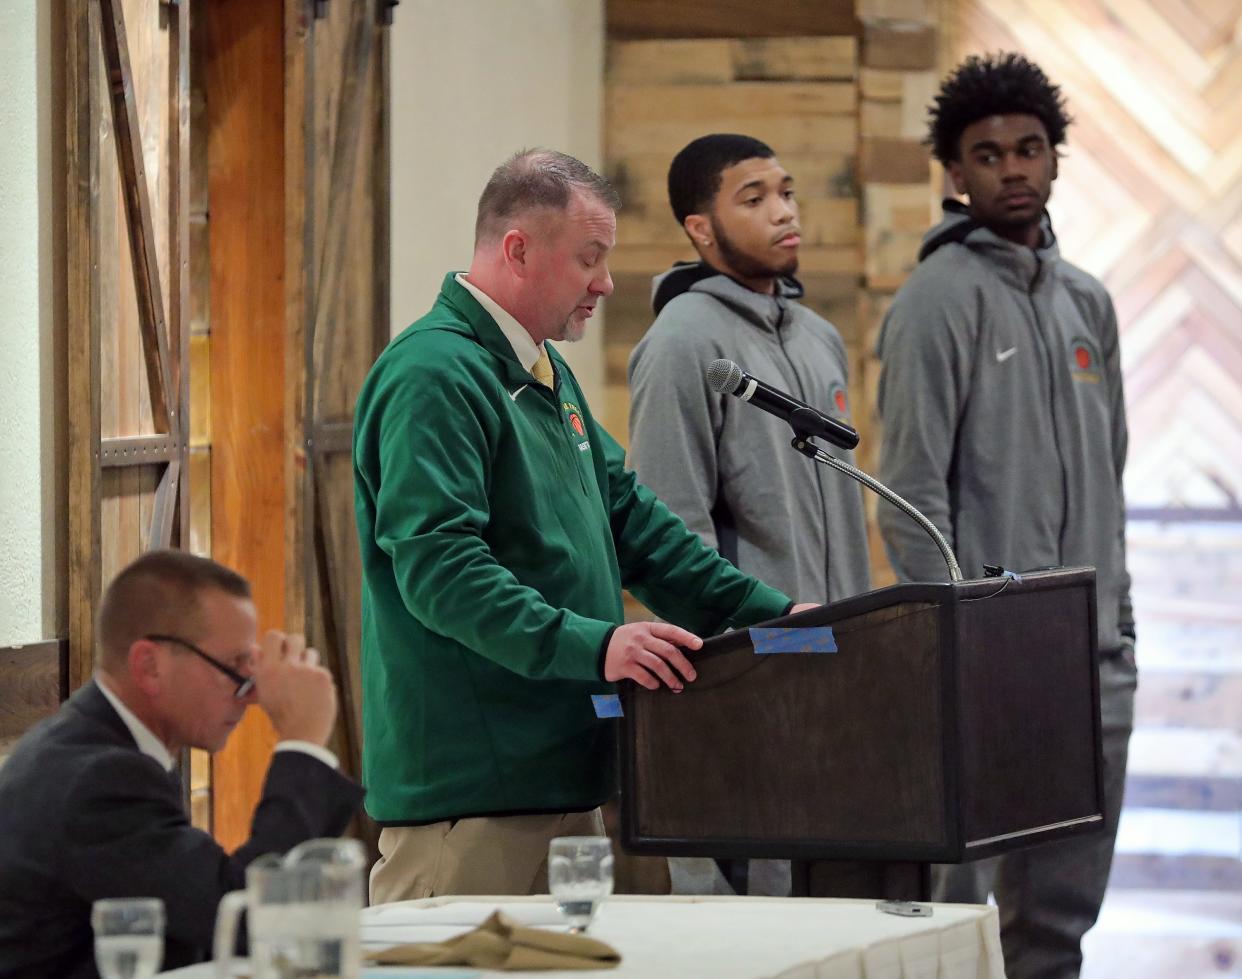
<point x="815" y="640"/>
<point x="607" y="705"/>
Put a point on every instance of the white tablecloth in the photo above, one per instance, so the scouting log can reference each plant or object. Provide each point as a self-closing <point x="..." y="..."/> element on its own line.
<point x="724" y="937"/>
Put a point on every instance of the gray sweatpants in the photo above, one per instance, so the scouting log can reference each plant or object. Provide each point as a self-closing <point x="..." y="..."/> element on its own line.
<point x="1050" y="895"/>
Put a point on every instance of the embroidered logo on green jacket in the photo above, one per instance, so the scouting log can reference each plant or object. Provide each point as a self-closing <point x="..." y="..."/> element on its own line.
<point x="575" y="422"/>
<point x="575" y="416"/>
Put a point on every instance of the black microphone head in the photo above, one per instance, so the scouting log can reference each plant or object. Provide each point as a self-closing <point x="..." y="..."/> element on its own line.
<point x="724" y="376"/>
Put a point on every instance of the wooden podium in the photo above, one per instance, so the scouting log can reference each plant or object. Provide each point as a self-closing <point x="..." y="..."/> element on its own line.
<point x="953" y="722"/>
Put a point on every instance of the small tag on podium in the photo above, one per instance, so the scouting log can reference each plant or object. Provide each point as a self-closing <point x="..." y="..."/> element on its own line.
<point x="607" y="705"/>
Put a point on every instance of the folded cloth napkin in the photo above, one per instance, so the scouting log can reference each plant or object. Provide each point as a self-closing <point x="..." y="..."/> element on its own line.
<point x="501" y="943"/>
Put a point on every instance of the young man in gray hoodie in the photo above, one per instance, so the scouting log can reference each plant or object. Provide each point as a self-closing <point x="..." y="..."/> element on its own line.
<point x="1004" y="423"/>
<point x="725" y="467"/>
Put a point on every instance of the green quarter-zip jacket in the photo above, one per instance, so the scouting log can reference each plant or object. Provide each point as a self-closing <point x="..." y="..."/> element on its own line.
<point x="1003" y="415"/>
<point x="498" y="526"/>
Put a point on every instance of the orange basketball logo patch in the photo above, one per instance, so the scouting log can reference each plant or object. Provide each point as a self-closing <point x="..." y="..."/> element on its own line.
<point x="1084" y="360"/>
<point x="840" y="400"/>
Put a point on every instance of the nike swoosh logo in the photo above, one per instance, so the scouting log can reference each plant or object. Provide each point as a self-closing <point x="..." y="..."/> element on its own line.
<point x="1004" y="355"/>
<point x="513" y="394"/>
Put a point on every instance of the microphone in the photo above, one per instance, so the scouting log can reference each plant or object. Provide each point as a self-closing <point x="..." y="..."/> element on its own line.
<point x="726" y="377"/>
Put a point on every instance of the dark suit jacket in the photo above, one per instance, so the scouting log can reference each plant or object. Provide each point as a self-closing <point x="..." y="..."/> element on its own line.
<point x="85" y="815"/>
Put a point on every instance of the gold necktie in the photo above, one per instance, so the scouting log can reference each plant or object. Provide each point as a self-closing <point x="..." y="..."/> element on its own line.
<point x="542" y="369"/>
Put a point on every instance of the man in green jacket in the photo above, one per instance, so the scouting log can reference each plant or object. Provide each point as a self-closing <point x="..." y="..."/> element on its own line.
<point x="498" y="526"/>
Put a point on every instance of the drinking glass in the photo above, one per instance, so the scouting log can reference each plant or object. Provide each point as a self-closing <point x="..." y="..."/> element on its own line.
<point x="129" y="937"/>
<point x="579" y="876"/>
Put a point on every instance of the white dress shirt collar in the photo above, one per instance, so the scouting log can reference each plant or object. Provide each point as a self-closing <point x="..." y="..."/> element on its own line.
<point x="524" y="347"/>
<point x="147" y="742"/>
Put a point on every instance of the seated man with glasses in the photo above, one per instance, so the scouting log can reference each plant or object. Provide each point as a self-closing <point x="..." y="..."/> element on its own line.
<point x="90" y="802"/>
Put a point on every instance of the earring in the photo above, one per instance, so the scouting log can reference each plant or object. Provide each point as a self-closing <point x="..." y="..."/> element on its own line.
<point x="706" y="242"/>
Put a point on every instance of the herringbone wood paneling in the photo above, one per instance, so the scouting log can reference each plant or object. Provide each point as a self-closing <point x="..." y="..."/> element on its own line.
<point x="1150" y="200"/>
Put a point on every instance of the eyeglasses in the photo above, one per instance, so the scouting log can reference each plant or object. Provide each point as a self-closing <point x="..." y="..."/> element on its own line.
<point x="244" y="683"/>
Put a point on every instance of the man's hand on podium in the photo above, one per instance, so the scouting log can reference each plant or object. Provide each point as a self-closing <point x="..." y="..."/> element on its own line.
<point x="645" y="653"/>
<point x="802" y="607"/>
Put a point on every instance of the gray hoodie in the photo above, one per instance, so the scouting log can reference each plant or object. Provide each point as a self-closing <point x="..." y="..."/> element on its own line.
<point x="1003" y="414"/>
<point x="726" y="467"/>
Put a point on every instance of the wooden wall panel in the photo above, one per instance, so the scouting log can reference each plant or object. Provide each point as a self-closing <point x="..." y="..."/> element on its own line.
<point x="126" y="103"/>
<point x="128" y="493"/>
<point x="344" y="561"/>
<point x="632" y="19"/>
<point x="35" y="680"/>
<point x="297" y="310"/>
<point x="244" y="79"/>
<point x="346" y="155"/>
<point x="338" y="310"/>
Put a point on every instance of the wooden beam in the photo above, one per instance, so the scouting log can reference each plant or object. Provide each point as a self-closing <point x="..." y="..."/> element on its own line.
<point x="138" y="450"/>
<point x="179" y="252"/>
<point x="728" y="18"/>
<point x="355" y="86"/>
<point x="899" y="44"/>
<point x="893" y="161"/>
<point x="244" y="78"/>
<point x="332" y="437"/>
<point x="164" y="514"/>
<point x="82" y="253"/>
<point x="332" y="608"/>
<point x="138" y="213"/>
<point x="381" y="193"/>
<point x="355" y="89"/>
<point x="300" y="176"/>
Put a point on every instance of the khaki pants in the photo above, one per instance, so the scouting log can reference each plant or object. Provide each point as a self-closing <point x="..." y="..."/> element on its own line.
<point x="482" y="855"/>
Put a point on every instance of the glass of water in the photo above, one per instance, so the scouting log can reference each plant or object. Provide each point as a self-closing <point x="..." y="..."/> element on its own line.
<point x="129" y="937"/>
<point x="579" y="876"/>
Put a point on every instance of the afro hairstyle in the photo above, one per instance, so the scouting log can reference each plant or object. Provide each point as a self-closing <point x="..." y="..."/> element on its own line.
<point x="1000" y="84"/>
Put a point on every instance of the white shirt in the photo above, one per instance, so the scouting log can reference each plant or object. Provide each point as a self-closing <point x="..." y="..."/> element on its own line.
<point x="524" y="347"/>
<point x="147" y="742"/>
<point x="153" y="747"/>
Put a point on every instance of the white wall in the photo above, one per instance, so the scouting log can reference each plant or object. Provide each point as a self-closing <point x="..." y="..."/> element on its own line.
<point x="30" y="526"/>
<point x="472" y="83"/>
